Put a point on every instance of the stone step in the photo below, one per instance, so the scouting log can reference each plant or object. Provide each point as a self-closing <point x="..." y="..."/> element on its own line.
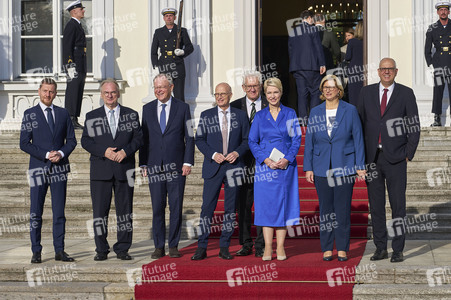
<point x="63" y="290"/>
<point x="406" y="290"/>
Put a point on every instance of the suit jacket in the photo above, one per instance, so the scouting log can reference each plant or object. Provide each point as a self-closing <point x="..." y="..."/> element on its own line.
<point x="343" y="151"/>
<point x="439" y="37"/>
<point x="209" y="138"/>
<point x="167" y="41"/>
<point x="74" y="47"/>
<point x="354" y="54"/>
<point x="175" y="145"/>
<point x="97" y="137"/>
<point x="36" y="138"/>
<point x="305" y="49"/>
<point x="399" y="126"/>
<point x="330" y="47"/>
<point x="240" y="103"/>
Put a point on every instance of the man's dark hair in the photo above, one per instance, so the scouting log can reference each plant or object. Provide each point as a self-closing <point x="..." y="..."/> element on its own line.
<point x="307" y="13"/>
<point x="48" y="80"/>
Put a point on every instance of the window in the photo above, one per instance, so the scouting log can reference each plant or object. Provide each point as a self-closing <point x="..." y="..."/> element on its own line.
<point x="42" y="25"/>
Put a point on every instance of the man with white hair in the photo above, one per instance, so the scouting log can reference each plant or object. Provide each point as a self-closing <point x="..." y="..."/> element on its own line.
<point x="251" y="103"/>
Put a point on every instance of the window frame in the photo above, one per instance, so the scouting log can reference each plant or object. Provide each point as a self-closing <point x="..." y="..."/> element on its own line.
<point x="101" y="10"/>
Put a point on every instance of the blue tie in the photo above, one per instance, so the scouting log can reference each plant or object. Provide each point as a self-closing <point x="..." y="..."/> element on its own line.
<point x="163" y="118"/>
<point x="50" y="119"/>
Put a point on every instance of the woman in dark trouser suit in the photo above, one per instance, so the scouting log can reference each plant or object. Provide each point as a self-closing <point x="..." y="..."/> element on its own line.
<point x="334" y="153"/>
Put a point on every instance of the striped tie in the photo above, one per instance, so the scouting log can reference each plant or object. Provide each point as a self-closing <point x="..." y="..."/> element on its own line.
<point x="253" y="112"/>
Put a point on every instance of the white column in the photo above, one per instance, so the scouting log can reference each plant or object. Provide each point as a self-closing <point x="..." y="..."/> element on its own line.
<point x="424" y="14"/>
<point x="196" y="19"/>
<point x="378" y="37"/>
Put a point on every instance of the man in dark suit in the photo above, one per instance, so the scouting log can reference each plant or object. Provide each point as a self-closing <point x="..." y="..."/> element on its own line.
<point x="166" y="158"/>
<point x="48" y="136"/>
<point x="222" y="138"/>
<point x="439" y="35"/>
<point x="251" y="104"/>
<point x="307" y="63"/>
<point x="74" y="61"/>
<point x="329" y="42"/>
<point x="391" y="139"/>
<point x="171" y="58"/>
<point x="112" y="134"/>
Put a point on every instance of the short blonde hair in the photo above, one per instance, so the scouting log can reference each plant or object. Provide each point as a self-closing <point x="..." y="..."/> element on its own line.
<point x="273" y="81"/>
<point x="337" y="84"/>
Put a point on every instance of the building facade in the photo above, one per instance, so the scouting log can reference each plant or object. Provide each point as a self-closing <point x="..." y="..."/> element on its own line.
<point x="227" y="38"/>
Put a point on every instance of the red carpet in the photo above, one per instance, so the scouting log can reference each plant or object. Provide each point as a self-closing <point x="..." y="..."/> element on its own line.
<point x="310" y="206"/>
<point x="302" y="276"/>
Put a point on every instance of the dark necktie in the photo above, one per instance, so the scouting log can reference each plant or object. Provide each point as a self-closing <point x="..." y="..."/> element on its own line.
<point x="383" y="106"/>
<point x="163" y="118"/>
<point x="253" y="112"/>
<point x="50" y="119"/>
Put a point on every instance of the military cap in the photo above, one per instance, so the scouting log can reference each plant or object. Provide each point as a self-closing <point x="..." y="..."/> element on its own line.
<point x="74" y="4"/>
<point x="442" y="4"/>
<point x="169" y="11"/>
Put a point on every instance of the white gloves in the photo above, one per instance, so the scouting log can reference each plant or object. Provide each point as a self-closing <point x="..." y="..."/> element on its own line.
<point x="179" y="52"/>
<point x="71" y="73"/>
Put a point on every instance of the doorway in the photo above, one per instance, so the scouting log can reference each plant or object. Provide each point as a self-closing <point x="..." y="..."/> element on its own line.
<point x="275" y="20"/>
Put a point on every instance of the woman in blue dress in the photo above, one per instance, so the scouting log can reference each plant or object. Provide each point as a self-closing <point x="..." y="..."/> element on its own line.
<point x="276" y="190"/>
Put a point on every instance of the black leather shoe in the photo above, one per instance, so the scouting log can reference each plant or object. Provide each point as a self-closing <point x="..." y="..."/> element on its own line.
<point x="258" y="252"/>
<point x="174" y="252"/>
<point x="158" y="253"/>
<point x="124" y="256"/>
<point x="224" y="253"/>
<point x="244" y="251"/>
<point x="437" y="121"/>
<point x="327" y="258"/>
<point x="75" y="123"/>
<point x="379" y="254"/>
<point x="397" y="257"/>
<point x="342" y="258"/>
<point x="201" y="253"/>
<point x="63" y="256"/>
<point x="36" y="258"/>
<point x="101" y="256"/>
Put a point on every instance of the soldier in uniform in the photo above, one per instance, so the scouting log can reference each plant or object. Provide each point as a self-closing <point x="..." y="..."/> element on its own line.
<point x="74" y="61"/>
<point x="171" y="59"/>
<point x="439" y="35"/>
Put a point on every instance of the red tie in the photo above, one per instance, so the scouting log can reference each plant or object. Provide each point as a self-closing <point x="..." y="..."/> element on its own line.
<point x="383" y="106"/>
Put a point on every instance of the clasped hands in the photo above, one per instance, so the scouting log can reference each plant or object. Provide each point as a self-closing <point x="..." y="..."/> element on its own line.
<point x="309" y="176"/>
<point x="281" y="164"/>
<point x="55" y="156"/>
<point x="115" y="156"/>
<point x="231" y="157"/>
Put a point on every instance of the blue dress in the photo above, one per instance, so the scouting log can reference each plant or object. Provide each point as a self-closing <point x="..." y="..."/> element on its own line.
<point x="276" y="192"/>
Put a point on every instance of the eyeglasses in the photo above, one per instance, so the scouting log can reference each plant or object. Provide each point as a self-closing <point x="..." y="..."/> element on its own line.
<point x="221" y="94"/>
<point x="390" y="70"/>
<point x="250" y="87"/>
<point x="329" y="88"/>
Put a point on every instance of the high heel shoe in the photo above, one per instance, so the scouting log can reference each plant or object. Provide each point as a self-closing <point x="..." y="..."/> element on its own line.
<point x="281" y="257"/>
<point x="267" y="257"/>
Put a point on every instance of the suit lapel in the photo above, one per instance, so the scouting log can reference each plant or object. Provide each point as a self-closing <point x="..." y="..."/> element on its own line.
<point x="338" y="117"/>
<point x="393" y="96"/>
<point x="43" y="119"/>
<point x="172" y="113"/>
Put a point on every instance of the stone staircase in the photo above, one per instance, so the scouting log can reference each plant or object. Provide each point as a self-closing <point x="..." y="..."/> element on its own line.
<point x="15" y="195"/>
<point x="428" y="192"/>
<point x="428" y="196"/>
